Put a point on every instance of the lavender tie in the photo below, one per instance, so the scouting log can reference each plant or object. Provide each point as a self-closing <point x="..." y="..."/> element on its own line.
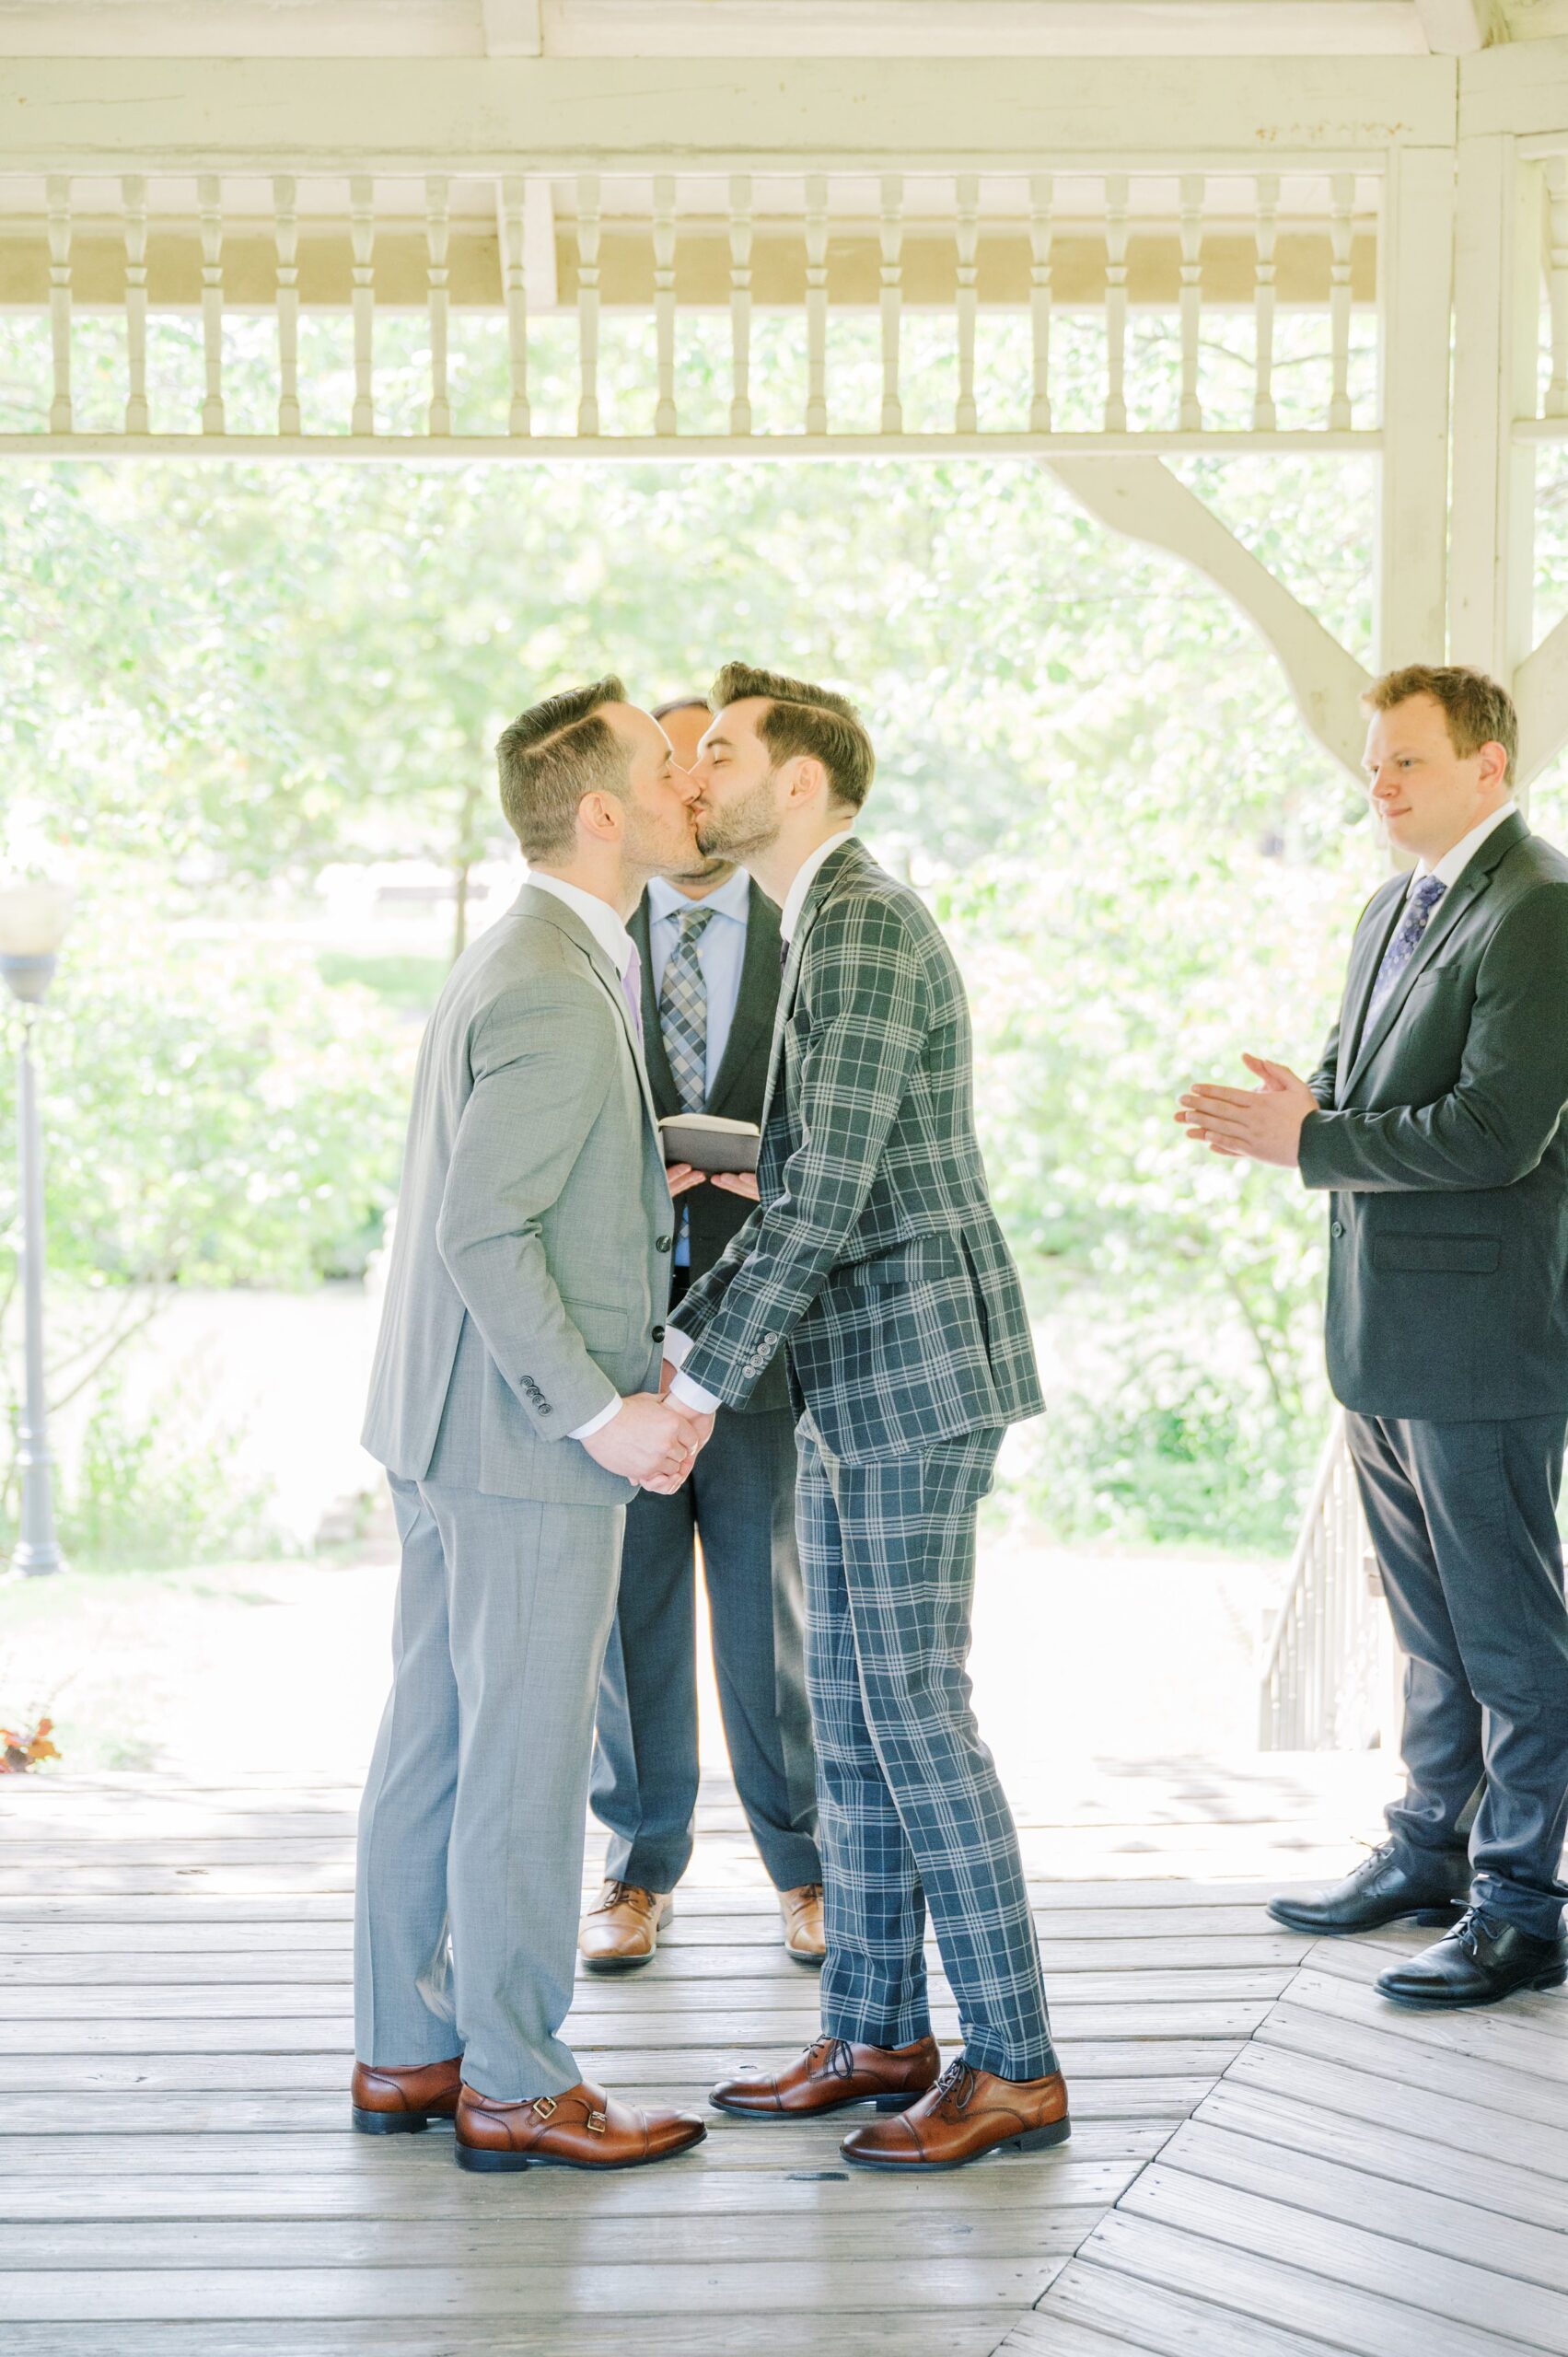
<point x="632" y="990"/>
<point x="1407" y="939"/>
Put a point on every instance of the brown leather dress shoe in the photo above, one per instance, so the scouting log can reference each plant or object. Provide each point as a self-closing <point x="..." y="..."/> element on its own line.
<point x="399" y="2103"/>
<point x="622" y="1931"/>
<point x="805" y="1941"/>
<point x="830" y="2074"/>
<point x="581" y="2128"/>
<point x="967" y="2113"/>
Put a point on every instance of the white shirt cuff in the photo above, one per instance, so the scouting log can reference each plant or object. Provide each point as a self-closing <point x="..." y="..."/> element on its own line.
<point x="677" y="1346"/>
<point x="597" y="1423"/>
<point x="692" y="1395"/>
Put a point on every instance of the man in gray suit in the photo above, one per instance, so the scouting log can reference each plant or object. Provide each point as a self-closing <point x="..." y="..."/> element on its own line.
<point x="513" y="1403"/>
<point x="1436" y="1120"/>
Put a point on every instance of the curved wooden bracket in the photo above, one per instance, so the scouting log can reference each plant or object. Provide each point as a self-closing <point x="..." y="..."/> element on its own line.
<point x="1540" y="695"/>
<point x="1141" y="498"/>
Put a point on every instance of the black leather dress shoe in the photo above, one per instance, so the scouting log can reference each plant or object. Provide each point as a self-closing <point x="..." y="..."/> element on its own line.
<point x="1382" y="1890"/>
<point x="1481" y="1959"/>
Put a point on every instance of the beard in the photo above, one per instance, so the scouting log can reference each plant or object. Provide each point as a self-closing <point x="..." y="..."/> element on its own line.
<point x="748" y="824"/>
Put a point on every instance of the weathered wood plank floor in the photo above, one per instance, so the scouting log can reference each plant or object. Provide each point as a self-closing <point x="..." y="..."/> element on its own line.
<point x="1268" y="2160"/>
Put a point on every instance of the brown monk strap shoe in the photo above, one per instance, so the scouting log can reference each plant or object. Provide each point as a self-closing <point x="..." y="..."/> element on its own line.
<point x="580" y="2129"/>
<point x="804" y="1939"/>
<point x="399" y="2103"/>
<point x="830" y="2074"/>
<point x="621" y="1930"/>
<point x="967" y="2113"/>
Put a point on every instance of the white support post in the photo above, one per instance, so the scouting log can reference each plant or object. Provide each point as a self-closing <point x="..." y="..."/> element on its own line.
<point x="1496" y="310"/>
<point x="1116" y="303"/>
<point x="816" y="303"/>
<point x="664" y="301"/>
<point x="1415" y="277"/>
<point x="892" y="293"/>
<point x="437" y="235"/>
<point x="1192" y="233"/>
<point x="1039" y="299"/>
<point x="588" y="305"/>
<point x="740" y="304"/>
<point x="1341" y="231"/>
<point x="134" y="205"/>
<point x="285" y="230"/>
<point x="1266" y="201"/>
<point x="1557" y="283"/>
<point x="512" y="224"/>
<point x="967" y="245"/>
<point x="362" y="232"/>
<point x="209" y="200"/>
<point x="58" y="195"/>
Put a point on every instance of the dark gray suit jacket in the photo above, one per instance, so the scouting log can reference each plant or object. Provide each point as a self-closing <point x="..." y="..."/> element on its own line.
<point x="1442" y="1137"/>
<point x="739" y="1088"/>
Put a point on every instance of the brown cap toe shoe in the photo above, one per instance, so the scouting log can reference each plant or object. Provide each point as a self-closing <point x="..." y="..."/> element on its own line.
<point x="967" y="2113"/>
<point x="830" y="2074"/>
<point x="621" y="1930"/>
<point x="582" y="2128"/>
<point x="390" y="2102"/>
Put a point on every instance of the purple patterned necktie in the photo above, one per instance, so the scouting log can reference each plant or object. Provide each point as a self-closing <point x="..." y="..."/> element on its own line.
<point x="632" y="990"/>
<point x="1402" y="949"/>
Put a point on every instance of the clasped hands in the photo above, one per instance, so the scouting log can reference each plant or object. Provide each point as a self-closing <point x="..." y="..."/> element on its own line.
<point x="1262" y="1124"/>
<point x="651" y="1441"/>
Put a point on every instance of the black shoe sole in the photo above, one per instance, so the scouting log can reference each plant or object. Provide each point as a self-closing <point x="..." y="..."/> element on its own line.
<point x="1445" y="2005"/>
<point x="395" y="2123"/>
<point x="1036" y="2139"/>
<point x="845" y="2102"/>
<point x="1436" y="1917"/>
<point x="480" y="2162"/>
<point x="808" y="1963"/>
<point x="617" y="1963"/>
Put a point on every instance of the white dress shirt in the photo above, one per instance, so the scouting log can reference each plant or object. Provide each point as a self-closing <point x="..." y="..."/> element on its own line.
<point x="676" y="1345"/>
<point x="1453" y="864"/>
<point x="621" y="949"/>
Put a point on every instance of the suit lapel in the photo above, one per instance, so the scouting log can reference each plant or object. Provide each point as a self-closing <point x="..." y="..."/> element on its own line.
<point x="1373" y="937"/>
<point x="556" y="912"/>
<point x="758" y="997"/>
<point x="1456" y="901"/>
<point x="837" y="862"/>
<point x="661" y="1080"/>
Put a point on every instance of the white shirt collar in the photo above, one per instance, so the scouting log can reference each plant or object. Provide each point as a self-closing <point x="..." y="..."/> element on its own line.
<point x="598" y="915"/>
<point x="1453" y="864"/>
<point x="806" y="876"/>
<point x="733" y="899"/>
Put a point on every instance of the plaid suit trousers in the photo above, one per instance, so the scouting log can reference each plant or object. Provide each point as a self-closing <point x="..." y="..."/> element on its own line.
<point x="911" y="1810"/>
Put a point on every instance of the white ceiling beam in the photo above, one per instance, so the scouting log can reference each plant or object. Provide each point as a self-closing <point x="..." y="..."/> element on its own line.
<point x="1458" y="28"/>
<point x="512" y="28"/>
<point x="983" y="29"/>
<point x="569" y="114"/>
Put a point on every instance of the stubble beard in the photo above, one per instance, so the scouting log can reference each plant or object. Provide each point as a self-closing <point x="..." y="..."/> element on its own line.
<point x="742" y="827"/>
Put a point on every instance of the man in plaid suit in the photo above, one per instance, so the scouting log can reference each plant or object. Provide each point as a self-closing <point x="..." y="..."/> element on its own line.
<point x="874" y="1260"/>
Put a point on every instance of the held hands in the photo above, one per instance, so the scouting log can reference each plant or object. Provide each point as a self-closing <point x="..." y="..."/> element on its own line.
<point x="1260" y="1124"/>
<point x="650" y="1441"/>
<point x="682" y="1178"/>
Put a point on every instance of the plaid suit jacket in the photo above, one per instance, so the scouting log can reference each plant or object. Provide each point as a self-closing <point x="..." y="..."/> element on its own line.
<point x="874" y="1253"/>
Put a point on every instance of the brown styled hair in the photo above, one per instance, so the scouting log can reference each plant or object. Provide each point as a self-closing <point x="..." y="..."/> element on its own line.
<point x="550" y="756"/>
<point x="1476" y="710"/>
<point x="803" y="719"/>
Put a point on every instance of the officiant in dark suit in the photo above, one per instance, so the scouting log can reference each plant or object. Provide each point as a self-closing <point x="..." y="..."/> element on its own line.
<point x="1434" y="1123"/>
<point x="709" y="944"/>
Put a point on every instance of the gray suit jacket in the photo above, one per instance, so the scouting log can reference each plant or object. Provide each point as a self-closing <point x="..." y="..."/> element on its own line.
<point x="1442" y="1139"/>
<point x="739" y="1088"/>
<point x="530" y="1263"/>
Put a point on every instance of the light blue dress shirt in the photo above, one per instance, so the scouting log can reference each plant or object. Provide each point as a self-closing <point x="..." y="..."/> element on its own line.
<point x="721" y="953"/>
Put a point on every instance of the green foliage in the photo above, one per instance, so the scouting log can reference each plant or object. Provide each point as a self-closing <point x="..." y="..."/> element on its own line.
<point x="409" y="985"/>
<point x="147" y="1494"/>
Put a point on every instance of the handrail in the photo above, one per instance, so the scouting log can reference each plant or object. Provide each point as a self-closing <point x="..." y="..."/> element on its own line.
<point x="1321" y="1686"/>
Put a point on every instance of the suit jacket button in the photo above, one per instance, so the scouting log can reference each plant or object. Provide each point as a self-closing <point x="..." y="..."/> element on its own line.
<point x="663" y="1243"/>
<point x="658" y="1333"/>
<point x="1338" y="1228"/>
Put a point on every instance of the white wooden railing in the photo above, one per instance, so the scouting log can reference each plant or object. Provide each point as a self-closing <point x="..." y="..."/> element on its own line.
<point x="1056" y="309"/>
<point x="1326" y="1677"/>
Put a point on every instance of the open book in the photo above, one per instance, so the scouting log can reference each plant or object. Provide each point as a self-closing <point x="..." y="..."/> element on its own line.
<point x="709" y="1144"/>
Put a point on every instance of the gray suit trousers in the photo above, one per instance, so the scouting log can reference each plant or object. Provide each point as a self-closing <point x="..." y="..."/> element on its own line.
<point x="473" y="1813"/>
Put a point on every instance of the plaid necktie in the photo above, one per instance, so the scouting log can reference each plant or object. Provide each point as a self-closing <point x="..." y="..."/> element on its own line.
<point x="683" y="1012"/>
<point x="1402" y="949"/>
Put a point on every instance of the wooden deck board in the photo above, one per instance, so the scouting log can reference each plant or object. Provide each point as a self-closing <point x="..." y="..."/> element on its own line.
<point x="1268" y="2160"/>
